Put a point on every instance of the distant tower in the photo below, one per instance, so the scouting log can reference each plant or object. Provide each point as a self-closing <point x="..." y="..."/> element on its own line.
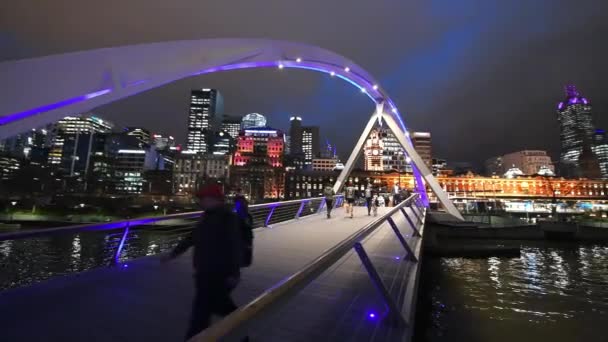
<point x="576" y="126"/>
<point x="373" y="151"/>
<point x="206" y="106"/>
<point x="295" y="135"/>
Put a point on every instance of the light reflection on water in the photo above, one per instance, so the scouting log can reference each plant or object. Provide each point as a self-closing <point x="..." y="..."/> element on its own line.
<point x="23" y="262"/>
<point x="551" y="292"/>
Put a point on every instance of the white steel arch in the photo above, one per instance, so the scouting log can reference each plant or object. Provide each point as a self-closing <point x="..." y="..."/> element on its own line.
<point x="41" y="90"/>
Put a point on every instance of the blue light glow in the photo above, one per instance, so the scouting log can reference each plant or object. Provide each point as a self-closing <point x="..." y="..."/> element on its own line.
<point x="35" y="111"/>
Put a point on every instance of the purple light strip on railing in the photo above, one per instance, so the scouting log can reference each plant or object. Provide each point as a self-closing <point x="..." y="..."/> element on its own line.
<point x="123" y="239"/>
<point x="22" y="115"/>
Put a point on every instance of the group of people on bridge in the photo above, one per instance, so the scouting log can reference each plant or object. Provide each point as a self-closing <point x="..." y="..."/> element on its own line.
<point x="372" y="196"/>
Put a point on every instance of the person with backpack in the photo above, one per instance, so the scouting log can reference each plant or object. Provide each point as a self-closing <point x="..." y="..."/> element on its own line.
<point x="368" y="199"/>
<point x="329" y="194"/>
<point x="349" y="194"/>
<point x="217" y="259"/>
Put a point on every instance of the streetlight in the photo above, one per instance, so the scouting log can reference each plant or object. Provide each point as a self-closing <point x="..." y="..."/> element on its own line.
<point x="81" y="205"/>
<point x="13" y="203"/>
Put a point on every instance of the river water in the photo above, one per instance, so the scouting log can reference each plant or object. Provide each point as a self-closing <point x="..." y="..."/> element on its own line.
<point x="553" y="292"/>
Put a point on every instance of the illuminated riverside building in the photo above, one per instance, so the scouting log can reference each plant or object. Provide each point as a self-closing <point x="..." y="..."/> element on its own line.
<point x="466" y="186"/>
<point x="258" y="163"/>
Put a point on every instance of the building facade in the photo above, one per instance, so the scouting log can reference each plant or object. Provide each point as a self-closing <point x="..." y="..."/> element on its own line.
<point x="206" y="107"/>
<point x="195" y="169"/>
<point x="128" y="171"/>
<point x="9" y="166"/>
<point x="324" y="164"/>
<point x="383" y="152"/>
<point x="600" y="149"/>
<point x="223" y="144"/>
<point x="231" y="125"/>
<point x="373" y="152"/>
<point x="258" y="163"/>
<point x="73" y="125"/>
<point x="528" y="161"/>
<point x="423" y="146"/>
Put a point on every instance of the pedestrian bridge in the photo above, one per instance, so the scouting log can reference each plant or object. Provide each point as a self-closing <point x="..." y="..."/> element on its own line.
<point x="313" y="278"/>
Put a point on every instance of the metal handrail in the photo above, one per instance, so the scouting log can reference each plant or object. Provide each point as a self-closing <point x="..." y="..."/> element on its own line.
<point x="131" y="222"/>
<point x="237" y="321"/>
<point x="127" y="225"/>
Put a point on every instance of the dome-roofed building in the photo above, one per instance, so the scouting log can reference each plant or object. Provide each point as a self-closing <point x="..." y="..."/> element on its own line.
<point x="253" y="120"/>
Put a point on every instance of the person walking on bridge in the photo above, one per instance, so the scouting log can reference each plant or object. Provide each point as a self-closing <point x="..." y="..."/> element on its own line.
<point x="329" y="194"/>
<point x="368" y="199"/>
<point x="217" y="259"/>
<point x="350" y="194"/>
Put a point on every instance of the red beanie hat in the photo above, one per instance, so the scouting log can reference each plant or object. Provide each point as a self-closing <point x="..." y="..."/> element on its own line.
<point x="211" y="190"/>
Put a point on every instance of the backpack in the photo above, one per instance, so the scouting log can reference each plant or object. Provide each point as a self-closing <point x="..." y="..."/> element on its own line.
<point x="246" y="228"/>
<point x="350" y="192"/>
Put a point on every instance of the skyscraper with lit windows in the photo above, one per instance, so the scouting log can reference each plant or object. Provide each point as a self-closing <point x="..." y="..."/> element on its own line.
<point x="206" y="107"/>
<point x="576" y="125"/>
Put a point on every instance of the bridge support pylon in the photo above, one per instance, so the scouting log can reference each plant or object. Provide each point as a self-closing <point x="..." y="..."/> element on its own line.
<point x="419" y="166"/>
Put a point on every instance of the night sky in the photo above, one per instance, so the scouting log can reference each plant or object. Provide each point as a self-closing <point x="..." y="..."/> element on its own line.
<point x="483" y="76"/>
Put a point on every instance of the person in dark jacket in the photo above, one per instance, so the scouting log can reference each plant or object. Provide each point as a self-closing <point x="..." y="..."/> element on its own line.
<point x="217" y="256"/>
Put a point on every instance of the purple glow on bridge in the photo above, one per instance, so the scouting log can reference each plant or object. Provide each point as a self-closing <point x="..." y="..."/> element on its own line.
<point x="23" y="115"/>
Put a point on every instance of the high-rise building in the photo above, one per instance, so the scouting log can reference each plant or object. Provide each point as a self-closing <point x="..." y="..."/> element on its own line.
<point x="295" y="135"/>
<point x="576" y="125"/>
<point x="232" y="126"/>
<point x="422" y="144"/>
<point x="383" y="152"/>
<point x="206" y="107"/>
<point x="74" y="125"/>
<point x="128" y="171"/>
<point x="287" y="140"/>
<point x="223" y="144"/>
<point x="253" y="120"/>
<point x="22" y="145"/>
<point x="310" y="144"/>
<point x="393" y="155"/>
<point x="9" y="166"/>
<point x="589" y="166"/>
<point x="141" y="134"/>
<point x="600" y="148"/>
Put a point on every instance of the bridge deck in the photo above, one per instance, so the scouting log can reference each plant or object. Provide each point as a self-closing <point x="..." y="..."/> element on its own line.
<point x="151" y="302"/>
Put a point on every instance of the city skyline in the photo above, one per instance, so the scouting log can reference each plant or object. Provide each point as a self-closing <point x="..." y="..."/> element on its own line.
<point x="450" y="67"/>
